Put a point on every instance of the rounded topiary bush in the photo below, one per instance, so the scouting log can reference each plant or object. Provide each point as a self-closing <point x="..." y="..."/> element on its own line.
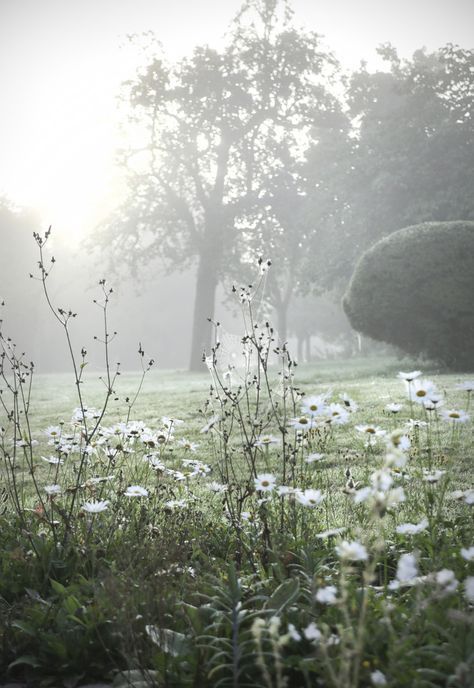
<point x="415" y="289"/>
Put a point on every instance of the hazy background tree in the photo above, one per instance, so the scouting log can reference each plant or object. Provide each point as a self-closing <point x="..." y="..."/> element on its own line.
<point x="412" y="156"/>
<point x="220" y="125"/>
<point x="299" y="203"/>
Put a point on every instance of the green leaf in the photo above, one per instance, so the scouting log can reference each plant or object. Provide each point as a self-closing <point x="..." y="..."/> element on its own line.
<point x="194" y="616"/>
<point x="283" y="596"/>
<point x="198" y="616"/>
<point x="71" y="604"/>
<point x="57" y="587"/>
<point x="30" y="660"/>
<point x="22" y="626"/>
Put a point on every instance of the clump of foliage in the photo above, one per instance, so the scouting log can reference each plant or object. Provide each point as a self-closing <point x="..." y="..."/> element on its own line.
<point x="414" y="289"/>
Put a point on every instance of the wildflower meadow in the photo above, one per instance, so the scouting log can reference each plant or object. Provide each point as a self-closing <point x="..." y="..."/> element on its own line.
<point x="267" y="524"/>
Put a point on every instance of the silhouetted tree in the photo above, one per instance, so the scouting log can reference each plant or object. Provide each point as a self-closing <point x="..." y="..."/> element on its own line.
<point x="221" y="126"/>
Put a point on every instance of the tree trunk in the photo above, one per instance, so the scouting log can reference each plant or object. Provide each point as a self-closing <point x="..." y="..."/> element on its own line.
<point x="204" y="304"/>
<point x="300" y="348"/>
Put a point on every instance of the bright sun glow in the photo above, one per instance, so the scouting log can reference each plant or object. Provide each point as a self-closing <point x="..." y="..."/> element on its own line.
<point x="61" y="68"/>
<point x="64" y="164"/>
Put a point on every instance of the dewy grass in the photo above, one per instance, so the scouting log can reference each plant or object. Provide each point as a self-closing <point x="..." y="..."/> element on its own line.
<point x="286" y="526"/>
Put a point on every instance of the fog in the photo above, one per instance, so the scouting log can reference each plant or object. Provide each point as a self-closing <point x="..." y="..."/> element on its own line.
<point x="153" y="309"/>
<point x="177" y="180"/>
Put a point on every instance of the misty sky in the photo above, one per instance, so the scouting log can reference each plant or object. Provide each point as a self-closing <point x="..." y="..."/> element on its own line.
<point x="61" y="65"/>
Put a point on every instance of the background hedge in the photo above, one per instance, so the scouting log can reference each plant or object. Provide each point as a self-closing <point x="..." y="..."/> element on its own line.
<point x="415" y="289"/>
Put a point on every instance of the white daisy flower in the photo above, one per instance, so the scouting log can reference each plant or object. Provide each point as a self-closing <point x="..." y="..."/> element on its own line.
<point x="412" y="528"/>
<point x="155" y="462"/>
<point x="466" y="386"/>
<point x="394" y="408"/>
<point x="415" y="424"/>
<point x="199" y="469"/>
<point x="371" y="432"/>
<point x="53" y="432"/>
<point x="433" y="477"/>
<point x="332" y="532"/>
<point x="95" y="507"/>
<point x="99" y="479"/>
<point x="348" y="403"/>
<point x="312" y="632"/>
<point x="454" y="416"/>
<point x="469" y="588"/>
<point x="81" y="414"/>
<point x="352" y="551"/>
<point x="327" y="595"/>
<point x="447" y="580"/>
<point x="168" y="423"/>
<point x="54" y="460"/>
<point x="265" y="482"/>
<point x="266" y="441"/>
<point x="314" y="405"/>
<point x="310" y="498"/>
<point x="407" y="569"/>
<point x="303" y="423"/>
<point x="187" y="445"/>
<point x="52" y="490"/>
<point x="175" y="503"/>
<point x="179" y="476"/>
<point x="421" y="390"/>
<point x="409" y="377"/>
<point x="467" y="553"/>
<point x="136" y="491"/>
<point x="336" y="414"/>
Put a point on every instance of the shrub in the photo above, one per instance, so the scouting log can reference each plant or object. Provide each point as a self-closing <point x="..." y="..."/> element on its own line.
<point x="415" y="288"/>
